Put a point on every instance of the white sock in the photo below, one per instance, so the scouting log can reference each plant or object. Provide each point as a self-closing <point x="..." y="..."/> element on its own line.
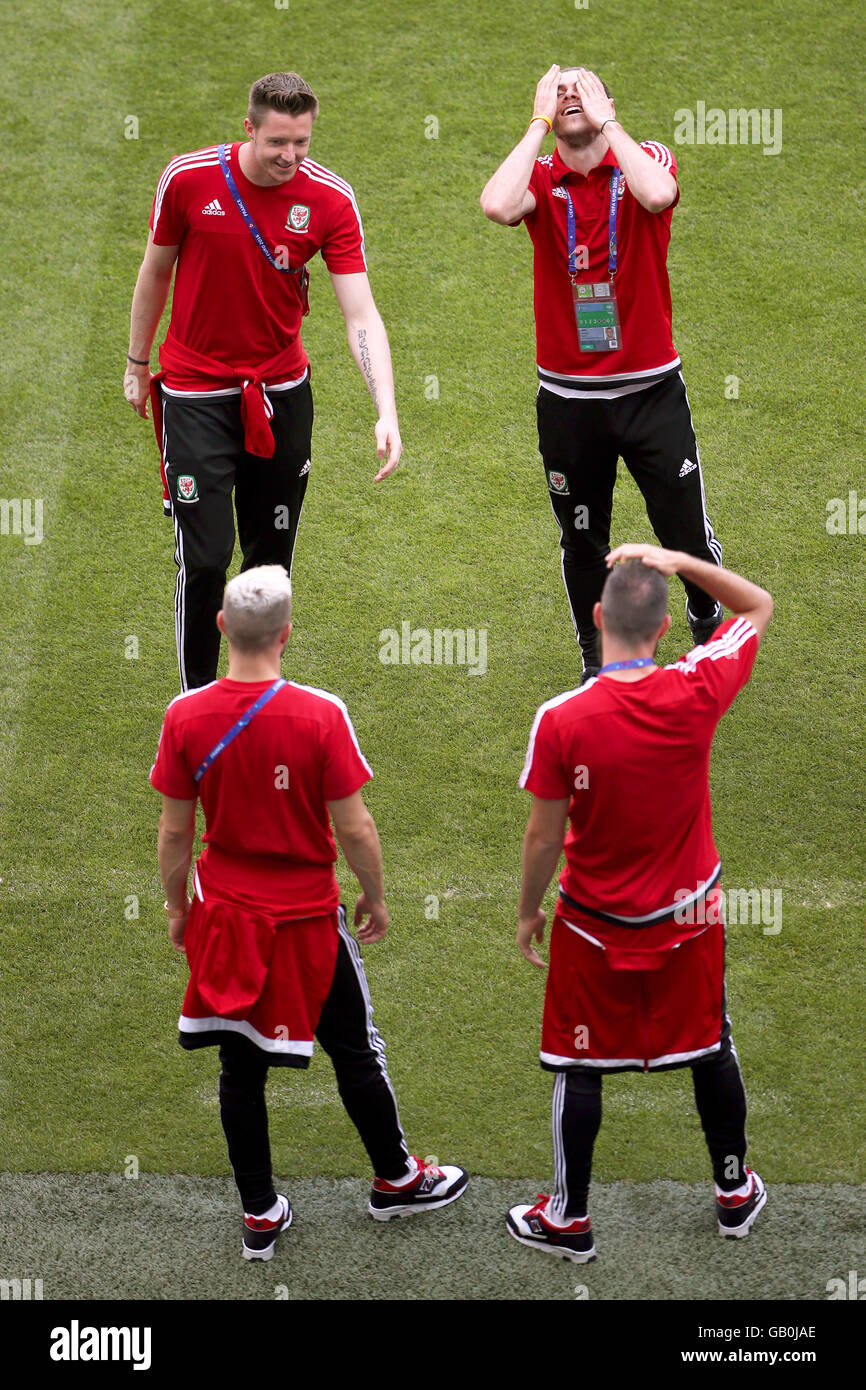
<point x="737" y="1191"/>
<point x="407" y="1177"/>
<point x="555" y="1218"/>
<point x="272" y="1214"/>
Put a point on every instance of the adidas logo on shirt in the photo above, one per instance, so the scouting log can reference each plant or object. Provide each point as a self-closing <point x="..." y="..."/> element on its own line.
<point x="213" y="209"/>
<point x="688" y="467"/>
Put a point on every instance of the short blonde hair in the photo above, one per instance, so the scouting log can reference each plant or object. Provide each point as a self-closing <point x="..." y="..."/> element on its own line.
<point x="257" y="604"/>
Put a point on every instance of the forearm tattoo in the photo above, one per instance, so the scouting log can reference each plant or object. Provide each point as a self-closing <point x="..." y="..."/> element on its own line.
<point x="367" y="365"/>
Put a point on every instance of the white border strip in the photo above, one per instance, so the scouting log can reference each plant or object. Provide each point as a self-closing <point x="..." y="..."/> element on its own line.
<point x="601" y="1063"/>
<point x="278" y="1046"/>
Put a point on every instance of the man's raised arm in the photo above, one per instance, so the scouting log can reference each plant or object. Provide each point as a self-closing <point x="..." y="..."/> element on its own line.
<point x="741" y="596"/>
<point x="654" y="188"/>
<point x="506" y="197"/>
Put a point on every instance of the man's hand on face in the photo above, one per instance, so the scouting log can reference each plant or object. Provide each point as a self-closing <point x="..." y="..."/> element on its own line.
<point x="593" y="98"/>
<point x="545" y="94"/>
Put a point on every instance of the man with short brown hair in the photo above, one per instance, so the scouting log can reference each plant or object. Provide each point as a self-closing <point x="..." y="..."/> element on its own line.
<point x="619" y="776"/>
<point x="598" y="211"/>
<point x="281" y="91"/>
<point x="232" y="404"/>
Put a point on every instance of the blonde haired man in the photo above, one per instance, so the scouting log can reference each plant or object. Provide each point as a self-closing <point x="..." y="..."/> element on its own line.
<point x="272" y="962"/>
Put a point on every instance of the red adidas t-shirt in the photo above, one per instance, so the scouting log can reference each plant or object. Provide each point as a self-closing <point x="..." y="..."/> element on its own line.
<point x="641" y="281"/>
<point x="268" y="841"/>
<point x="229" y="302"/>
<point x="633" y="759"/>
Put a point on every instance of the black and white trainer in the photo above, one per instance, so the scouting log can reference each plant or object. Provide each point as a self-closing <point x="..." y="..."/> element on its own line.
<point x="736" y="1214"/>
<point x="702" y="629"/>
<point x="529" y="1224"/>
<point x="431" y="1187"/>
<point x="260" y="1234"/>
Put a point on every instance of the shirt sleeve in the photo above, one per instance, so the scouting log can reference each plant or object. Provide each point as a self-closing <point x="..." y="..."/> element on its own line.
<point x="168" y="221"/>
<point x="170" y="773"/>
<point x="723" y="665"/>
<point x="345" y="768"/>
<point x="534" y="189"/>
<point x="343" y="248"/>
<point x="665" y="157"/>
<point x="543" y="772"/>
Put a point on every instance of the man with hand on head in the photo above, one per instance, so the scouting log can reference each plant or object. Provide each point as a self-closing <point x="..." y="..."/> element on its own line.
<point x="272" y="962"/>
<point x="619" y="776"/>
<point x="598" y="211"/>
<point x="232" y="406"/>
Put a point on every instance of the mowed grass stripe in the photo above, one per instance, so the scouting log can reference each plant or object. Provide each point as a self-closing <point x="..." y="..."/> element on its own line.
<point x="53" y="225"/>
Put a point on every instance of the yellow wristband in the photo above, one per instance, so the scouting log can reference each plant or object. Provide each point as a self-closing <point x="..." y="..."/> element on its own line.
<point x="544" y="118"/>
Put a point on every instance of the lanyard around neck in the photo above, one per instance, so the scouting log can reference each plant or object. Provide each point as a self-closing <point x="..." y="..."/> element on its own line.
<point x="611" y="226"/>
<point x="250" y="221"/>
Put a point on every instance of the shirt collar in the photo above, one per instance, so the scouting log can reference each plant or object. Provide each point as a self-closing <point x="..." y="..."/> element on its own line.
<point x="561" y="171"/>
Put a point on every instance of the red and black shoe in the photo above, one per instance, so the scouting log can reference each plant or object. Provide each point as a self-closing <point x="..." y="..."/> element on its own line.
<point x="260" y="1235"/>
<point x="529" y="1225"/>
<point x="736" y="1214"/>
<point x="431" y="1187"/>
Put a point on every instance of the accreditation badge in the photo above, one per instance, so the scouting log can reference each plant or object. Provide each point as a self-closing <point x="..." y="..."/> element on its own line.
<point x="597" y="315"/>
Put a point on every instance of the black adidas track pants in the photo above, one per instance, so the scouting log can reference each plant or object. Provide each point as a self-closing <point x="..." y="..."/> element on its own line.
<point x="347" y="1033"/>
<point x="580" y="442"/>
<point x="720" y="1098"/>
<point x="205" y="462"/>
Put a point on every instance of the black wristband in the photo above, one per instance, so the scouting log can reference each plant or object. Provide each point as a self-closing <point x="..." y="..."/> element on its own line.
<point x="604" y="123"/>
<point x="139" y="361"/>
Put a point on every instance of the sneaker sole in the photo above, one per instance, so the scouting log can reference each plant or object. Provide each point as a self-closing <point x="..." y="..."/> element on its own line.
<point x="578" y="1257"/>
<point x="266" y="1254"/>
<point x="737" y="1232"/>
<point x="388" y="1213"/>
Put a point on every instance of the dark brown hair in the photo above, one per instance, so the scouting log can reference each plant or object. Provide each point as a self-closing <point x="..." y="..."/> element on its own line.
<point x="281" y="91"/>
<point x="634" y="602"/>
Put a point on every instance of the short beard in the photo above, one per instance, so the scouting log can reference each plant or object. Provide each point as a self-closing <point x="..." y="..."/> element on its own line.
<point x="578" y="142"/>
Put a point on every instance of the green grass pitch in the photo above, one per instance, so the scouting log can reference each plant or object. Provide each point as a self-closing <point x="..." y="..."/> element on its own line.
<point x="766" y="267"/>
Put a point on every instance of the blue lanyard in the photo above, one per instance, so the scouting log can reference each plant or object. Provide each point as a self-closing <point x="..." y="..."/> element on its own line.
<point x="627" y="665"/>
<point x="238" y="728"/>
<point x="611" y="228"/>
<point x="249" y="220"/>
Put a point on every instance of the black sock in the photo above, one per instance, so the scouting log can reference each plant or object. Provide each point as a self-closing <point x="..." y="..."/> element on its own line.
<point x="721" y="1101"/>
<point x="576" y="1122"/>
